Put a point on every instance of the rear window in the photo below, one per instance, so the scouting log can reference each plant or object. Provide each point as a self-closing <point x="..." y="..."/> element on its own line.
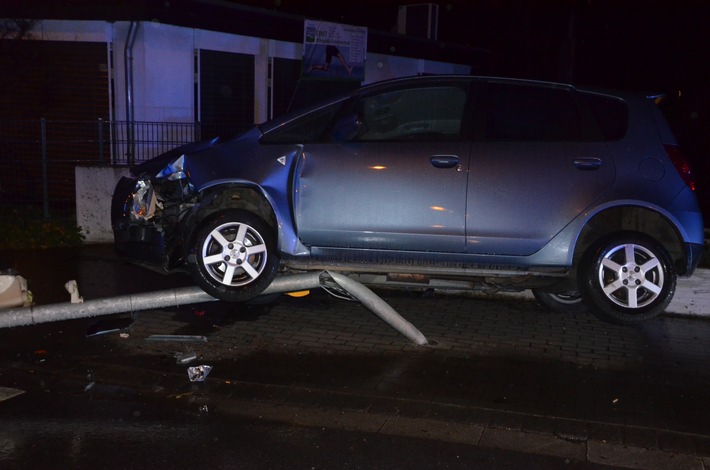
<point x="611" y="113"/>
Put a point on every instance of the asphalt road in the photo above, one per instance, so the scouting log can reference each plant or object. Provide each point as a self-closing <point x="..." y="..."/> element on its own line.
<point x="501" y="380"/>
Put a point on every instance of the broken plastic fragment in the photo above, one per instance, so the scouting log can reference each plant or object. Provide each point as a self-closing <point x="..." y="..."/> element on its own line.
<point x="73" y="289"/>
<point x="180" y="338"/>
<point x="13" y="290"/>
<point x="198" y="373"/>
<point x="90" y="378"/>
<point x="106" y="326"/>
<point x="185" y="358"/>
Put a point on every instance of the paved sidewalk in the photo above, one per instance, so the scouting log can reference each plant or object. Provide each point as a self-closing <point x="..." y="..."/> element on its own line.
<point x="692" y="295"/>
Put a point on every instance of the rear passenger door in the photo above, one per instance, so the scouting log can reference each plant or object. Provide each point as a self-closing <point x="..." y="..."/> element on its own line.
<point x="537" y="162"/>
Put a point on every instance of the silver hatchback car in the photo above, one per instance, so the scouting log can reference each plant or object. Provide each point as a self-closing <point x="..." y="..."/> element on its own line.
<point x="581" y="195"/>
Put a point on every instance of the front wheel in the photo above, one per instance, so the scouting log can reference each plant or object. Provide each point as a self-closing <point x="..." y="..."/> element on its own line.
<point x="234" y="256"/>
<point x="627" y="279"/>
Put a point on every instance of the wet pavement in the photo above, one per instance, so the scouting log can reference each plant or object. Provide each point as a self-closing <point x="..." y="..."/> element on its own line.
<point x="499" y="373"/>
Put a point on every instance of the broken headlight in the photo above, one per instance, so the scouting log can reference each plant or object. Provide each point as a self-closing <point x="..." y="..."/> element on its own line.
<point x="174" y="171"/>
<point x="172" y="182"/>
<point x="143" y="206"/>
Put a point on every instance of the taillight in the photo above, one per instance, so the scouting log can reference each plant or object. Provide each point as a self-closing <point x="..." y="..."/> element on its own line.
<point x="681" y="164"/>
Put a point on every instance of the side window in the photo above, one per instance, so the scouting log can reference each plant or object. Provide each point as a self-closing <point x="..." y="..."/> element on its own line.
<point x="412" y="114"/>
<point x="531" y="113"/>
<point x="303" y="129"/>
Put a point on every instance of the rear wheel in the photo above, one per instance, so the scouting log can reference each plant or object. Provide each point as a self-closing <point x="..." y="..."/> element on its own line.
<point x="627" y="279"/>
<point x="235" y="256"/>
<point x="561" y="302"/>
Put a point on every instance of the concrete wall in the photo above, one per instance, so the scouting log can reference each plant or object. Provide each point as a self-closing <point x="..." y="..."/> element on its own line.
<point x="94" y="188"/>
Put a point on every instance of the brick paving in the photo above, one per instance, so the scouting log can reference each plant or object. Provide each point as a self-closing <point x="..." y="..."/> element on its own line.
<point x="456" y="326"/>
<point x="497" y="362"/>
<point x="501" y="365"/>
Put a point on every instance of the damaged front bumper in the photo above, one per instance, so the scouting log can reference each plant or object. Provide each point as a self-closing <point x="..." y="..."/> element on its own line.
<point x="146" y="217"/>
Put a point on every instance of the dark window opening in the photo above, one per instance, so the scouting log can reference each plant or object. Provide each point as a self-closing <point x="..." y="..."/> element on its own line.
<point x="531" y="113"/>
<point x="286" y="73"/>
<point x="611" y="113"/>
<point x="226" y="93"/>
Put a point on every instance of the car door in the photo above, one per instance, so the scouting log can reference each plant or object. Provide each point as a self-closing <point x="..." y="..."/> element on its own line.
<point x="393" y="177"/>
<point x="536" y="164"/>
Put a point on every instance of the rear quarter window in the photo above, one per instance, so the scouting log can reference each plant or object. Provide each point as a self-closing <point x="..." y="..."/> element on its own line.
<point x="611" y="113"/>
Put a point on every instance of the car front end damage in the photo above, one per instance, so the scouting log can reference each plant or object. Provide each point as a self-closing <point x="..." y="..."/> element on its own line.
<point x="148" y="210"/>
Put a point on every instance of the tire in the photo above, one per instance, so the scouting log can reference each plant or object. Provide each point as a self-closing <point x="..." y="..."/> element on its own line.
<point x="234" y="255"/>
<point x="627" y="279"/>
<point x="561" y="302"/>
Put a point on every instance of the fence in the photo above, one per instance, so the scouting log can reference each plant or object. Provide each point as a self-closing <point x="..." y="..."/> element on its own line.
<point x="38" y="157"/>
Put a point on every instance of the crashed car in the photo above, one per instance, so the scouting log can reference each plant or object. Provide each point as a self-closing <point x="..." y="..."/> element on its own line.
<point x="579" y="194"/>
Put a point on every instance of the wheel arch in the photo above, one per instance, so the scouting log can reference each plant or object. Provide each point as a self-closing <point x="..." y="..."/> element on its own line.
<point x="633" y="218"/>
<point x="216" y="199"/>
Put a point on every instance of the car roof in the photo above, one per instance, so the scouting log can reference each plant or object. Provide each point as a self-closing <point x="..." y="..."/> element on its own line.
<point x="430" y="79"/>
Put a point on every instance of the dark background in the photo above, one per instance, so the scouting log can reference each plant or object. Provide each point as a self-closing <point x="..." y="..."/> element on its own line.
<point x="652" y="46"/>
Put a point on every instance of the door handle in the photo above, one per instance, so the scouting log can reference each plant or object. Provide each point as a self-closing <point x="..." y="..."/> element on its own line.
<point x="444" y="161"/>
<point x="591" y="163"/>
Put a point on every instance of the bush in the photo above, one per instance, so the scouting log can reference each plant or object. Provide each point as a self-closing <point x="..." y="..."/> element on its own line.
<point x="19" y="230"/>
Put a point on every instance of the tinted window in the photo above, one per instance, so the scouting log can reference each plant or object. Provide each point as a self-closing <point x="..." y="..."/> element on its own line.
<point x="531" y="113"/>
<point x="612" y="114"/>
<point x="431" y="113"/>
<point x="303" y="129"/>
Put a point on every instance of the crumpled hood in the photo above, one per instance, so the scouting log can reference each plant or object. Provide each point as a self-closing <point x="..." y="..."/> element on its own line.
<point x="153" y="166"/>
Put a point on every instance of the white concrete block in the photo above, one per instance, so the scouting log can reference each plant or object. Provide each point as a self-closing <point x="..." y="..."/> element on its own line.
<point x="94" y="188"/>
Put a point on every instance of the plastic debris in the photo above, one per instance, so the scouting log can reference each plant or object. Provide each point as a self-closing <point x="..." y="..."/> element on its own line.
<point x="6" y="393"/>
<point x="179" y="338"/>
<point x="13" y="290"/>
<point x="198" y="373"/>
<point x="185" y="358"/>
<point x="73" y="289"/>
<point x="106" y="326"/>
<point x="90" y="378"/>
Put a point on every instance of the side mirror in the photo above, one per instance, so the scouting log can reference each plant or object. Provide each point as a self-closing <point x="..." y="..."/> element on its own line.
<point x="348" y="128"/>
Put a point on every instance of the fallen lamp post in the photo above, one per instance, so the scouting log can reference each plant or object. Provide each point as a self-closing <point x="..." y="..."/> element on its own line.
<point x="23" y="316"/>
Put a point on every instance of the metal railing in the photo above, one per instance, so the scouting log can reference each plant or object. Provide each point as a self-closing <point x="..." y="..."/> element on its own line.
<point x="38" y="157"/>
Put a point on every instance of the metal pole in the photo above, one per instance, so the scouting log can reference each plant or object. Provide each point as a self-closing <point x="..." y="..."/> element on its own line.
<point x="101" y="141"/>
<point x="135" y="302"/>
<point x="45" y="171"/>
<point x="190" y="295"/>
<point x="380" y="308"/>
<point x="128" y="69"/>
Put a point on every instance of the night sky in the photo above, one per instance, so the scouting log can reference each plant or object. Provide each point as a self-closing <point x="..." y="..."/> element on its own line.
<point x="656" y="45"/>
